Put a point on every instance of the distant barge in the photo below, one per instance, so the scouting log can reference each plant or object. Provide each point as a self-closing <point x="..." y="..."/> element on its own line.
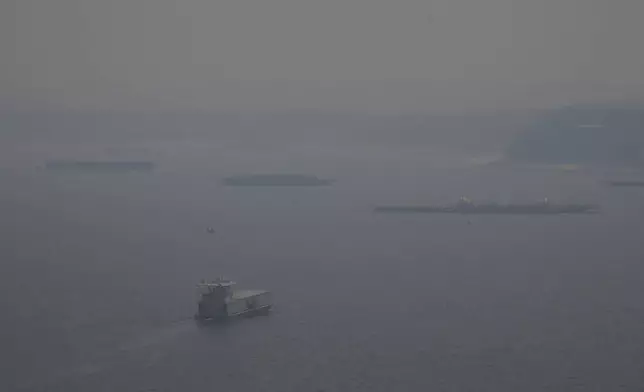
<point x="464" y="206"/>
<point x="633" y="183"/>
<point x="100" y="166"/>
<point x="219" y="301"/>
<point x="276" y="180"/>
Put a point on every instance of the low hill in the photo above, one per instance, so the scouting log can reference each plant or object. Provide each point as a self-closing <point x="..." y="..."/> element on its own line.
<point x="599" y="134"/>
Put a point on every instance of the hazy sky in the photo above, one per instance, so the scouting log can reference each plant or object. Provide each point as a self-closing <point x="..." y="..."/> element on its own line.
<point x="403" y="55"/>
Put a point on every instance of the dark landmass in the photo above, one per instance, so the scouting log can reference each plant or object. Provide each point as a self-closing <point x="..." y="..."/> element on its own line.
<point x="101" y="166"/>
<point x="276" y="180"/>
<point x="593" y="134"/>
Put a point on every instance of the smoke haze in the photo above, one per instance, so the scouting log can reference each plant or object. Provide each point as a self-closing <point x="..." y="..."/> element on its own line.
<point x="368" y="55"/>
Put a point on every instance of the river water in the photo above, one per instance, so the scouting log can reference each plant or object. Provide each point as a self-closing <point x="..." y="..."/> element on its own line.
<point x="97" y="272"/>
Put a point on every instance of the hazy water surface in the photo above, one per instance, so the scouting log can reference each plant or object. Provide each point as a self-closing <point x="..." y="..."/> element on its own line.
<point x="97" y="273"/>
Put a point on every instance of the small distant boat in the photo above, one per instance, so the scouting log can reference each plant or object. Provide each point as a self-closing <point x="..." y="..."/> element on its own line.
<point x="219" y="301"/>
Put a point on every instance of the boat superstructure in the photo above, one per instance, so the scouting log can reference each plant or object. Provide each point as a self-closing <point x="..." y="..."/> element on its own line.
<point x="218" y="300"/>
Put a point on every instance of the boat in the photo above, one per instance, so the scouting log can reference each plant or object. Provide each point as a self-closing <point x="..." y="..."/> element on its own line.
<point x="219" y="301"/>
<point x="286" y="180"/>
<point x="626" y="183"/>
<point x="101" y="166"/>
<point x="465" y="206"/>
